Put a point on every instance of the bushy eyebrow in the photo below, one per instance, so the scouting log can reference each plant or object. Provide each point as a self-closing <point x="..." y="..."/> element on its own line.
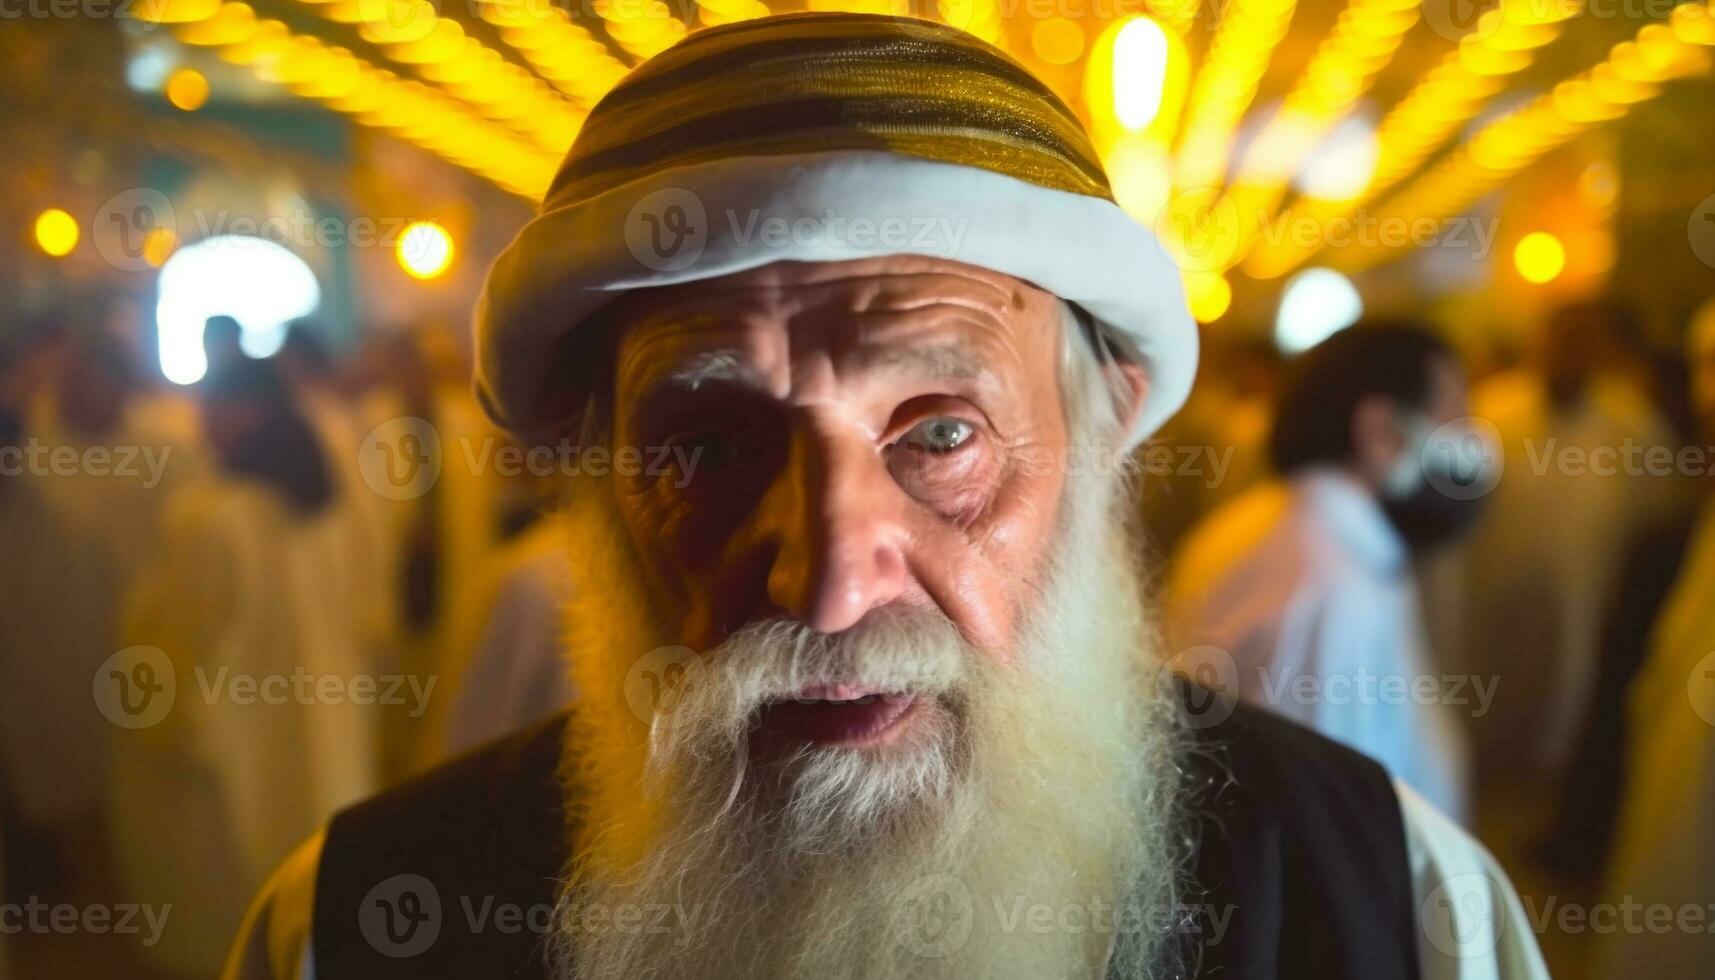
<point x="935" y="362"/>
<point x="715" y="365"/>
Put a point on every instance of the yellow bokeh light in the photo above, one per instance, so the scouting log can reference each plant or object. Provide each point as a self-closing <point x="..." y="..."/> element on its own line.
<point x="1141" y="51"/>
<point x="187" y="89"/>
<point x="424" y="250"/>
<point x="1539" y="257"/>
<point x="1057" y="40"/>
<point x="1208" y="294"/>
<point x="56" y="232"/>
<point x="158" y="246"/>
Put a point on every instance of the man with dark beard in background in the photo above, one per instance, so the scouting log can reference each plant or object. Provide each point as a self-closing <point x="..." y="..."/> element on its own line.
<point x="867" y="687"/>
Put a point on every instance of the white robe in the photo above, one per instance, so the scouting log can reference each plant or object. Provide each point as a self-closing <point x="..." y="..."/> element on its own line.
<point x="1664" y="852"/>
<point x="71" y="543"/>
<point x="1305" y="593"/>
<point x="211" y="798"/>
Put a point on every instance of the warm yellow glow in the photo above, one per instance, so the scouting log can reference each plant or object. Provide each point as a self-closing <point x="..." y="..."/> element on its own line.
<point x="1539" y="257"/>
<point x="1136" y="77"/>
<point x="233" y="23"/>
<point x="424" y="250"/>
<point x="1694" y="23"/>
<point x="158" y="246"/>
<point x="1140" y="72"/>
<point x="56" y="232"/>
<point x="1057" y="40"/>
<point x="187" y="89"/>
<point x="1208" y="294"/>
<point x="1599" y="185"/>
<point x="175" y="11"/>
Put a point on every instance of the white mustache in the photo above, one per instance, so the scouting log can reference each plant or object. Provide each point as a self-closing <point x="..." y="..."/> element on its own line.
<point x="893" y="652"/>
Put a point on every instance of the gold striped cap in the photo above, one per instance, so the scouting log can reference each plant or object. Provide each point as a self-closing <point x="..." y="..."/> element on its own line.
<point x="846" y="124"/>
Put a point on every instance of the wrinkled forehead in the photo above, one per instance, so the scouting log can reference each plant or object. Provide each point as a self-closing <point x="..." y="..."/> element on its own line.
<point x="904" y="313"/>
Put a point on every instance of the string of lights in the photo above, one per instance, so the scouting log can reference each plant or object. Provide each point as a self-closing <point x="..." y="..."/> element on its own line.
<point x="1239" y="54"/>
<point x="1633" y="73"/>
<point x="373" y="96"/>
<point x="1500" y="44"/>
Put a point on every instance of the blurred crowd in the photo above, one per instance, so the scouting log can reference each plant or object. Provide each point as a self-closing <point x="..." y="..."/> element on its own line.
<point x="1522" y="543"/>
<point x="1490" y="573"/>
<point x="238" y="606"/>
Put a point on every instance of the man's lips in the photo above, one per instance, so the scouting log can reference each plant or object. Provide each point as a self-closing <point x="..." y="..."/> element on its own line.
<point x="842" y="715"/>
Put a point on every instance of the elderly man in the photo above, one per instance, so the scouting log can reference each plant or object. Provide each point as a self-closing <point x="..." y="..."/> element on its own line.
<point x="866" y="682"/>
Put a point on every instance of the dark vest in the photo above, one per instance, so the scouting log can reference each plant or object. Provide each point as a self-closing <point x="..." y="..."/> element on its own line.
<point x="1300" y="863"/>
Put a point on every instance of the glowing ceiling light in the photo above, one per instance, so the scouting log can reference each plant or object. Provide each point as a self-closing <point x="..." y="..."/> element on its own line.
<point x="1141" y="52"/>
<point x="1539" y="257"/>
<point x="261" y="284"/>
<point x="56" y="232"/>
<point x="424" y="250"/>
<point x="1317" y="304"/>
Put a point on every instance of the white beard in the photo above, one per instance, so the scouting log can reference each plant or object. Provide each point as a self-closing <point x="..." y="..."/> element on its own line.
<point x="1027" y="828"/>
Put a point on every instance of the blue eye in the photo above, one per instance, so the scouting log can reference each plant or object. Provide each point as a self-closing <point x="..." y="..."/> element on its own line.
<point x="938" y="435"/>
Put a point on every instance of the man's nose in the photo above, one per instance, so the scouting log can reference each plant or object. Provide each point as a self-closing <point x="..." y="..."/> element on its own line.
<point x="837" y="516"/>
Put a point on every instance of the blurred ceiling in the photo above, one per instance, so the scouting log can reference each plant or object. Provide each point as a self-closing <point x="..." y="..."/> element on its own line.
<point x="1254" y="135"/>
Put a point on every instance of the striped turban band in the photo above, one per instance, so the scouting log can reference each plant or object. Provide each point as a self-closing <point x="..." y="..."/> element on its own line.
<point x="819" y="137"/>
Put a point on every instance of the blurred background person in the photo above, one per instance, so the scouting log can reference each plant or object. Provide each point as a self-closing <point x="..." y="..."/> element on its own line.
<point x="428" y="452"/>
<point x="513" y="673"/>
<point x="1531" y="607"/>
<point x="256" y="577"/>
<point x="1308" y="579"/>
<point x="1663" y="854"/>
<point x="92" y="454"/>
<point x="223" y="343"/>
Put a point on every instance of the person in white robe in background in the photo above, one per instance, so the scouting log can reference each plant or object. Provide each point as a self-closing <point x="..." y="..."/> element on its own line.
<point x="1301" y="591"/>
<point x="259" y="616"/>
<point x="97" y="453"/>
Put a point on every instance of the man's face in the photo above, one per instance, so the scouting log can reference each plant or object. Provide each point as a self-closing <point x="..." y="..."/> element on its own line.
<point x="1389" y="435"/>
<point x="1449" y="394"/>
<point x="863" y="436"/>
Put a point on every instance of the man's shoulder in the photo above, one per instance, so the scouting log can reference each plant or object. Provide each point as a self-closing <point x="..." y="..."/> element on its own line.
<point x="475" y="848"/>
<point x="1300" y="842"/>
<point x="1241" y="754"/>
